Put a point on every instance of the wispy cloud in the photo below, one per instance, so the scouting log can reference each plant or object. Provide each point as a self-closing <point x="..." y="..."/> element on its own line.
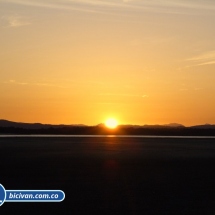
<point x="15" y="21"/>
<point x="89" y="6"/>
<point x="118" y="94"/>
<point x="60" y="5"/>
<point x="145" y="96"/>
<point x="206" y="58"/>
<point x="123" y="95"/>
<point x="101" y="6"/>
<point x="33" y="83"/>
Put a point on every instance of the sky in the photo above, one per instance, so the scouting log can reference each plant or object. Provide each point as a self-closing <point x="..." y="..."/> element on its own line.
<point x="83" y="61"/>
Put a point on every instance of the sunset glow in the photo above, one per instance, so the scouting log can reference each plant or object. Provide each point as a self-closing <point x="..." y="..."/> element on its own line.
<point x="76" y="62"/>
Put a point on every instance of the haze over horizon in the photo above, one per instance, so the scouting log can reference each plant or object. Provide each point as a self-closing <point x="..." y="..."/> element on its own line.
<point x="83" y="61"/>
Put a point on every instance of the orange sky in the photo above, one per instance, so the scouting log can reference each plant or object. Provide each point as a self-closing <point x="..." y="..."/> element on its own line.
<point x="142" y="62"/>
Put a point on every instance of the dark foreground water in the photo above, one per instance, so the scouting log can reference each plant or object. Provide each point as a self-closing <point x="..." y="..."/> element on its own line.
<point x="111" y="175"/>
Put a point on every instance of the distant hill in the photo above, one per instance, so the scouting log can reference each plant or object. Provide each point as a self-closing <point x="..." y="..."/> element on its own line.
<point x="171" y="125"/>
<point x="174" y="125"/>
<point x="6" y="123"/>
<point x="206" y="126"/>
<point x="172" y="129"/>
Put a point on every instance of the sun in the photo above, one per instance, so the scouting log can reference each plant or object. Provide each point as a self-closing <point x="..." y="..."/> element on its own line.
<point x="111" y="123"/>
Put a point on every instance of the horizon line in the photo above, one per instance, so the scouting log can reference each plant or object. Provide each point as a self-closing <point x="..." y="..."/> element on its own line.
<point x="102" y="123"/>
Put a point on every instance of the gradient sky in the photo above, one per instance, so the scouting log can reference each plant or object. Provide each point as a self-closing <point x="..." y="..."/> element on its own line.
<point x="82" y="61"/>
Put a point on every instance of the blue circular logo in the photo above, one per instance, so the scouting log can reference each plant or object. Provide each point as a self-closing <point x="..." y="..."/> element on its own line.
<point x="2" y="195"/>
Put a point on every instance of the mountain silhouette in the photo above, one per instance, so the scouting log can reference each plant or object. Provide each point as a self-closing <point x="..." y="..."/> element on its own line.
<point x="6" y="123"/>
<point x="172" y="129"/>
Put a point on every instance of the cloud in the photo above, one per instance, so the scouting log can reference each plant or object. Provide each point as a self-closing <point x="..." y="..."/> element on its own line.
<point x="15" y="21"/>
<point x="128" y="8"/>
<point x="66" y="4"/>
<point x="118" y="94"/>
<point x="77" y="5"/>
<point x="123" y="95"/>
<point x="102" y="6"/>
<point x="203" y="5"/>
<point x="145" y="96"/>
<point x="156" y="5"/>
<point x="60" y="5"/>
<point x="206" y="58"/>
<point x="89" y="6"/>
<point x="33" y="84"/>
<point x="15" y="82"/>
